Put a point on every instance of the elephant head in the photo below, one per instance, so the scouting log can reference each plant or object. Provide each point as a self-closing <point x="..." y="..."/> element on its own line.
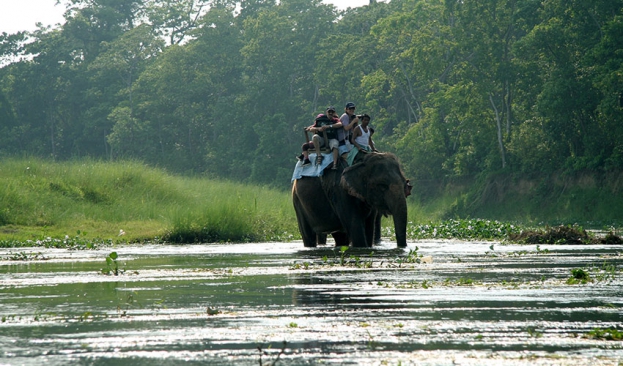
<point x="378" y="181"/>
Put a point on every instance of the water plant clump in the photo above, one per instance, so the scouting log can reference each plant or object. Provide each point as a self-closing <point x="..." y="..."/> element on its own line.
<point x="349" y="257"/>
<point x="112" y="267"/>
<point x="413" y="256"/>
<point x="341" y="258"/>
<point x="76" y="242"/>
<point x="518" y="253"/>
<point x="608" y="334"/>
<point x="563" y="234"/>
<point x="212" y="311"/>
<point x="534" y="333"/>
<point x="24" y="256"/>
<point x="479" y="229"/>
<point x="579" y="276"/>
<point x="463" y="229"/>
<point x="611" y="238"/>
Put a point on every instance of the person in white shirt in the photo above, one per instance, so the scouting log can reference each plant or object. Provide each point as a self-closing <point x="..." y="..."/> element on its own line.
<point x="362" y="139"/>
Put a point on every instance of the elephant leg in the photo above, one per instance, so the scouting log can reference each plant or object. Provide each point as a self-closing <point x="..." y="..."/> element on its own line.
<point x="370" y="229"/>
<point x="321" y="239"/>
<point x="357" y="232"/>
<point x="359" y="239"/>
<point x="308" y="235"/>
<point x="354" y="214"/>
<point x="400" y="223"/>
<point x="341" y="239"/>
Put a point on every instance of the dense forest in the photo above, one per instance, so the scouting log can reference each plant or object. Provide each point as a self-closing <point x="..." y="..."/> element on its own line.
<point x="223" y="88"/>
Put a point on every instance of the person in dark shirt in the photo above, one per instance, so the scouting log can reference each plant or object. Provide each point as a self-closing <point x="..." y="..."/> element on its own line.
<point x="330" y="123"/>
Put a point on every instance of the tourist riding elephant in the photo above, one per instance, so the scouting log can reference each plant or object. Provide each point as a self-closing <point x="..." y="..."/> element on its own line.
<point x="347" y="202"/>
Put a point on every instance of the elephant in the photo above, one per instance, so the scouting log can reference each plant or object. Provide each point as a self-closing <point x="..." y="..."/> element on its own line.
<point x="348" y="202"/>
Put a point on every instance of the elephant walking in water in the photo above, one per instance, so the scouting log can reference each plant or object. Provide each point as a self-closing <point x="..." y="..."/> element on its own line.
<point x="346" y="202"/>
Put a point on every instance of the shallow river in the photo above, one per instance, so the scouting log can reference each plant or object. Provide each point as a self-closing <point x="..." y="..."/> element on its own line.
<point x="444" y="303"/>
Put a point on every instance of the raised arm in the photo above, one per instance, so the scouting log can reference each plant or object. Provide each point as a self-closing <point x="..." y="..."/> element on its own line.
<point x="351" y="124"/>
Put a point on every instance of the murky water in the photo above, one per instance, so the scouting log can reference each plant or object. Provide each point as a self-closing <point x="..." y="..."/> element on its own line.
<point x="465" y="303"/>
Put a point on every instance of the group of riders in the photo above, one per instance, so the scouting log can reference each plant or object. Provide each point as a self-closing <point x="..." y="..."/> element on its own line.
<point x="344" y="135"/>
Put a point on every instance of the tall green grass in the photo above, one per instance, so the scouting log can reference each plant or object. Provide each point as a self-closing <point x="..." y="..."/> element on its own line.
<point x="93" y="199"/>
<point x="103" y="199"/>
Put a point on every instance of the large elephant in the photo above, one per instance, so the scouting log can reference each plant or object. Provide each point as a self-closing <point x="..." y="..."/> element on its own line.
<point x="347" y="202"/>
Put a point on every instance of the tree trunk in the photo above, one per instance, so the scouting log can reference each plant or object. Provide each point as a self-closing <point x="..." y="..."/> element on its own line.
<point x="499" y="125"/>
<point x="508" y="110"/>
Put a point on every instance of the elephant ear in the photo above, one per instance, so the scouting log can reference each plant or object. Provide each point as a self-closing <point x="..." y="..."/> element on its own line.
<point x="354" y="182"/>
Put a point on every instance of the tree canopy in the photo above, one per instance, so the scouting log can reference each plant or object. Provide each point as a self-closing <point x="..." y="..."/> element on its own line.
<point x="224" y="88"/>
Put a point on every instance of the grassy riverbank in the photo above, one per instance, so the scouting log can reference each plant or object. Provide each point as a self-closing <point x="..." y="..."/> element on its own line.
<point x="131" y="202"/>
<point x="103" y="200"/>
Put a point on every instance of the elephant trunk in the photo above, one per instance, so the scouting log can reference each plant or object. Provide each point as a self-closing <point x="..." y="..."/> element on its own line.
<point x="399" y="214"/>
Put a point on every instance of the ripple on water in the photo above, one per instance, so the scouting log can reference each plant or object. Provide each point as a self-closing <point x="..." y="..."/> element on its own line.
<point x="216" y="304"/>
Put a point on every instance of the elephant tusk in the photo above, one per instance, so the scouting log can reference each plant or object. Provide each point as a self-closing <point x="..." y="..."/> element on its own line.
<point x="408" y="188"/>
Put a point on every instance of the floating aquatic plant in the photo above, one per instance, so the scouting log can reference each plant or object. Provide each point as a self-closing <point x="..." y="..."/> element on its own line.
<point x="112" y="267"/>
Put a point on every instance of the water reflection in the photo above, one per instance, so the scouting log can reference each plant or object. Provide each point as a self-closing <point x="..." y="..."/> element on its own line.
<point x="215" y="304"/>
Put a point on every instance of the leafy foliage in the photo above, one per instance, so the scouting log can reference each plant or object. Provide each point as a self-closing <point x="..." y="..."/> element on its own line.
<point x="224" y="88"/>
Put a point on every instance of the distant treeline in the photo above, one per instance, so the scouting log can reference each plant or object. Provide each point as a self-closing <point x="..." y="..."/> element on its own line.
<point x="224" y="88"/>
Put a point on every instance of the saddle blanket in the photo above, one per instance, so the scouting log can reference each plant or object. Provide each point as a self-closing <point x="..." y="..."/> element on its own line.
<point x="314" y="170"/>
<point x="311" y="170"/>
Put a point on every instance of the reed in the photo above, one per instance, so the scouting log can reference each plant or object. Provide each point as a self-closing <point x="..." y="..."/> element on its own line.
<point x="105" y="199"/>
